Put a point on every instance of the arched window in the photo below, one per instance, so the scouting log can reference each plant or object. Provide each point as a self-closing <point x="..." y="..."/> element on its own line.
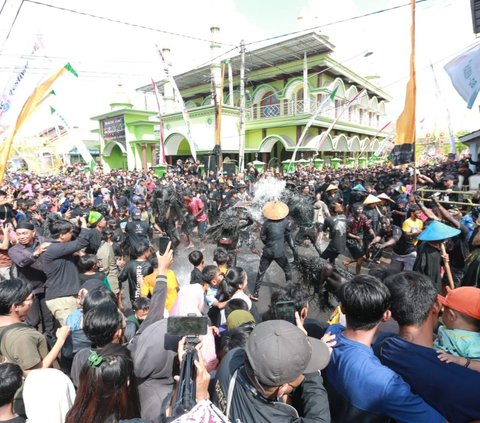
<point x="269" y="106"/>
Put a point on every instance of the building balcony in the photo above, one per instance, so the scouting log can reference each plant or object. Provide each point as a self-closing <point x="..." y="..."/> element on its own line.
<point x="302" y="109"/>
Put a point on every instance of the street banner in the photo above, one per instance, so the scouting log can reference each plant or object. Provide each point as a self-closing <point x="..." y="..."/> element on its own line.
<point x="322" y="105"/>
<point x="40" y="93"/>
<point x="162" y="157"/>
<point x="185" y="115"/>
<point x="11" y="88"/>
<point x="464" y="72"/>
<point x="342" y="111"/>
<point x="75" y="141"/>
<point x="404" y="149"/>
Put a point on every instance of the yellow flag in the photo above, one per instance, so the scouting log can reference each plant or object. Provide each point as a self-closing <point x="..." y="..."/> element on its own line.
<point x="35" y="99"/>
<point x="404" y="150"/>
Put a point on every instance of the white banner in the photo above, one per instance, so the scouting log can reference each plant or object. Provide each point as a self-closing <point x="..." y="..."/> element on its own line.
<point x="464" y="71"/>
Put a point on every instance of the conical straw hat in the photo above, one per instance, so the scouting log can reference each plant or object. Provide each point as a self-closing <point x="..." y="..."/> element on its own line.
<point x="331" y="187"/>
<point x="275" y="210"/>
<point x="371" y="199"/>
<point x="437" y="231"/>
<point x="359" y="187"/>
<point x="384" y="196"/>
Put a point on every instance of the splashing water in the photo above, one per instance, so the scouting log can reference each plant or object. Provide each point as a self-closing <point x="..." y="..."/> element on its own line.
<point x="265" y="190"/>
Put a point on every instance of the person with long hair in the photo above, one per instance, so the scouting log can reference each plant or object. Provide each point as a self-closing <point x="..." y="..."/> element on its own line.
<point x="236" y="280"/>
<point x="108" y="389"/>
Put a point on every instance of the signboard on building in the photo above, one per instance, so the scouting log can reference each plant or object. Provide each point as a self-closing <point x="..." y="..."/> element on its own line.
<point x="113" y="129"/>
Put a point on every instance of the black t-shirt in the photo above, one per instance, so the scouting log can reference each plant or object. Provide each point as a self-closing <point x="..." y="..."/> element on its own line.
<point x="196" y="276"/>
<point x="138" y="231"/>
<point x="337" y="225"/>
<point x="404" y="245"/>
<point x="458" y="250"/>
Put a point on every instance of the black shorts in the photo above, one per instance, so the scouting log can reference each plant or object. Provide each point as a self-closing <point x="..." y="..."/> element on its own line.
<point x="329" y="254"/>
<point x="356" y="251"/>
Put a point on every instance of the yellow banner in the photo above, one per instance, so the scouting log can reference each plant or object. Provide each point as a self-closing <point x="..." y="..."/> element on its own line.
<point x="32" y="103"/>
<point x="404" y="150"/>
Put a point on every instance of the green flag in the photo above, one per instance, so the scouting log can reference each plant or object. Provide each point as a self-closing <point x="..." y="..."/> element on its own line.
<point x="52" y="110"/>
<point x="69" y="67"/>
<point x="52" y="92"/>
<point x="333" y="94"/>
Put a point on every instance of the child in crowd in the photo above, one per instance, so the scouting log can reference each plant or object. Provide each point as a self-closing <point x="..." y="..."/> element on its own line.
<point x="236" y="279"/>
<point x="149" y="282"/>
<point x="11" y="378"/>
<point x="221" y="258"/>
<point x="215" y="295"/>
<point x="197" y="261"/>
<point x="458" y="338"/>
<point x="88" y="269"/>
<point x="141" y="307"/>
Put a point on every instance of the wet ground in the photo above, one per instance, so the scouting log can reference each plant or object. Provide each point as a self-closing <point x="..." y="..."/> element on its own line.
<point x="274" y="278"/>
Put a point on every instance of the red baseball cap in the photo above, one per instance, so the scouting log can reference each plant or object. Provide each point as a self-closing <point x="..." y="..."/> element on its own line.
<point x="465" y="300"/>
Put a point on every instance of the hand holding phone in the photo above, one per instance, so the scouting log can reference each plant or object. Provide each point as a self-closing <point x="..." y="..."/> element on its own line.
<point x="285" y="310"/>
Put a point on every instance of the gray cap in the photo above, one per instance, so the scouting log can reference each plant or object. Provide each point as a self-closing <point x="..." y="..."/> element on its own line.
<point x="278" y="352"/>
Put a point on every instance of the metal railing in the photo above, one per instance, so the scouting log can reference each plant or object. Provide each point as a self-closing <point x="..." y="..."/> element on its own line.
<point x="298" y="107"/>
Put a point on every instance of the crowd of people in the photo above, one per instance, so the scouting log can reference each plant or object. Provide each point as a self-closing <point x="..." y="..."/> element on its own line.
<point x="95" y="325"/>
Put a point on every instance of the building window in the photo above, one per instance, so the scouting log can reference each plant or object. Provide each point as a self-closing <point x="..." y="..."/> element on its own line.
<point x="298" y="103"/>
<point x="338" y="108"/>
<point x="269" y="106"/>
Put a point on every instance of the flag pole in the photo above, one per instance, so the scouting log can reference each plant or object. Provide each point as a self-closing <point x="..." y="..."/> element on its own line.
<point x="404" y="149"/>
<point x="413" y="76"/>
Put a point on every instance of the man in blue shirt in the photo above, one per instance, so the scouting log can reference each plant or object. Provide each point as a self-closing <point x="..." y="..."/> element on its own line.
<point x="449" y="388"/>
<point x="360" y="388"/>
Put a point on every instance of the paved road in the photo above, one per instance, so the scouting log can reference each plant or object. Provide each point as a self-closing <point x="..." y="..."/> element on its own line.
<point x="274" y="277"/>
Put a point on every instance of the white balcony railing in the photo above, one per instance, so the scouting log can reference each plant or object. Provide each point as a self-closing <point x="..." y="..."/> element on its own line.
<point x="293" y="108"/>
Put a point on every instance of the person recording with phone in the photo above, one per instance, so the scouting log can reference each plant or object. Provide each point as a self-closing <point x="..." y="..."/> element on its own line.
<point x="291" y="299"/>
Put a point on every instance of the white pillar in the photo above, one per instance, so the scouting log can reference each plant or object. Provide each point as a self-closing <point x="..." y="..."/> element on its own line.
<point x="216" y="67"/>
<point x="230" y="83"/>
<point x="306" y="95"/>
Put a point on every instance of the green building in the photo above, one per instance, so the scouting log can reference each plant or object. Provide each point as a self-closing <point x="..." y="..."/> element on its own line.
<point x="285" y="84"/>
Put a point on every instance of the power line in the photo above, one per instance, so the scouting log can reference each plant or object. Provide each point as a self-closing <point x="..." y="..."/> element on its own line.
<point x="333" y="23"/>
<point x="11" y="25"/>
<point x="104" y="18"/>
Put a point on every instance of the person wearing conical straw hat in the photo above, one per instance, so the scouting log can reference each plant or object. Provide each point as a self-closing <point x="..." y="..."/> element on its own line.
<point x="456" y="247"/>
<point x="332" y="195"/>
<point x="357" y="195"/>
<point x="430" y="253"/>
<point x="275" y="232"/>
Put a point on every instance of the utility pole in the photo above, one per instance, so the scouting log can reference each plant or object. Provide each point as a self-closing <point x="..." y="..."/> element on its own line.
<point x="218" y="102"/>
<point x="241" y="150"/>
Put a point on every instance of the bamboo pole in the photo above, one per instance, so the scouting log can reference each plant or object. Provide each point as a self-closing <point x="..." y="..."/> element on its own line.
<point x="446" y="264"/>
<point x="451" y="202"/>
<point x="448" y="191"/>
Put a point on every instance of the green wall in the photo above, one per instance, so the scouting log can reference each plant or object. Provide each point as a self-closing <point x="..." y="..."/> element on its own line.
<point x="116" y="160"/>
